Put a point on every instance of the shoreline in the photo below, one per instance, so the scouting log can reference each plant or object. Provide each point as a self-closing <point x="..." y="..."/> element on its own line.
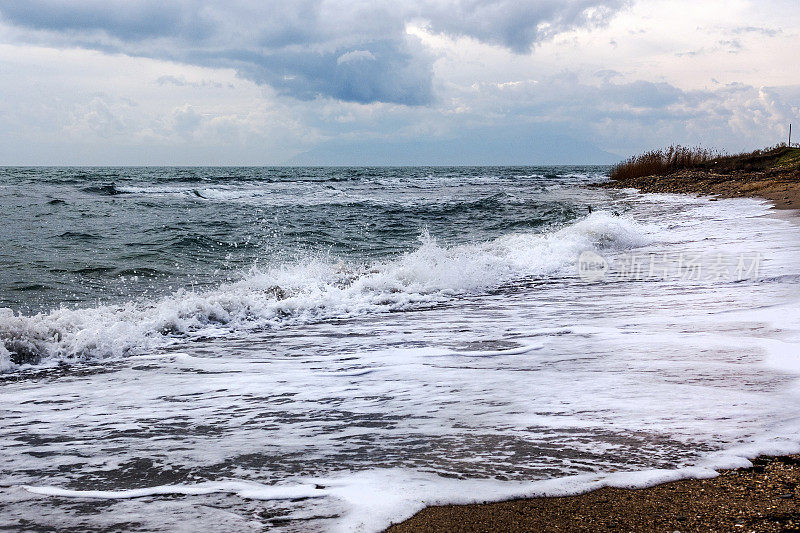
<point x="782" y="188"/>
<point x="762" y="498"/>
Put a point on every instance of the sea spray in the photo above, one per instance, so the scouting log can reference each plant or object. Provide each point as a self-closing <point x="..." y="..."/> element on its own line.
<point x="309" y="291"/>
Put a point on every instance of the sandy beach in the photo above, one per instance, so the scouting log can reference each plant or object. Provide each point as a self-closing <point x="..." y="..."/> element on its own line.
<point x="782" y="189"/>
<point x="763" y="498"/>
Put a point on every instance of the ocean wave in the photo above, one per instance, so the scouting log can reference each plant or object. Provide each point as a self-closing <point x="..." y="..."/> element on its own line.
<point x="106" y="189"/>
<point x="311" y="290"/>
<point x="279" y="195"/>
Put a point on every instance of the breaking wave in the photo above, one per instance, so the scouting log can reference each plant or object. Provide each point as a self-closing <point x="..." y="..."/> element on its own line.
<point x="309" y="291"/>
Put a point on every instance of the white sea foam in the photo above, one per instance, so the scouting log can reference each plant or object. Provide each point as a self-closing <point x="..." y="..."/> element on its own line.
<point x="6" y="364"/>
<point x="310" y="291"/>
<point x="372" y="500"/>
<point x="624" y="384"/>
<point x="254" y="491"/>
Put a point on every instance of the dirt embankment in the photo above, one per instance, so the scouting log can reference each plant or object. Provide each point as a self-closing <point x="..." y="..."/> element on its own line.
<point x="772" y="174"/>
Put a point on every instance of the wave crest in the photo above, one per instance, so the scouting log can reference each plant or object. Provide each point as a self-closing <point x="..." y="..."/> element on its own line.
<point x="309" y="291"/>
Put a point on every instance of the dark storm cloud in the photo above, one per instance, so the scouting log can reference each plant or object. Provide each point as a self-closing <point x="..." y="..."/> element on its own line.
<point x="348" y="50"/>
<point x="377" y="71"/>
<point x="136" y="20"/>
<point x="515" y="24"/>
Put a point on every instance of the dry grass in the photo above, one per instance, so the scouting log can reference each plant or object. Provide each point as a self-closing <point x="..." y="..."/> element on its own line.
<point x="675" y="158"/>
<point x="661" y="162"/>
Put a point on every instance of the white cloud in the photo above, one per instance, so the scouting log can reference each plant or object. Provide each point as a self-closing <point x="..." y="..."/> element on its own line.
<point x="355" y="55"/>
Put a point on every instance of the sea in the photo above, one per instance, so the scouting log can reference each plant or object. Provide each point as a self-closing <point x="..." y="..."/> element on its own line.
<point x="333" y="349"/>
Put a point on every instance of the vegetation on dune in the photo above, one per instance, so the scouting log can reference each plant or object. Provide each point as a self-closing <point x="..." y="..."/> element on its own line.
<point x="677" y="158"/>
<point x="791" y="159"/>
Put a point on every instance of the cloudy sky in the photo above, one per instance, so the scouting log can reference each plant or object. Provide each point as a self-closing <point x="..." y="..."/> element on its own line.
<point x="247" y="82"/>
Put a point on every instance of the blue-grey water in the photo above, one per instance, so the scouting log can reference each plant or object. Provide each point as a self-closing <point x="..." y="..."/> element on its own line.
<point x="333" y="348"/>
<point x="73" y="236"/>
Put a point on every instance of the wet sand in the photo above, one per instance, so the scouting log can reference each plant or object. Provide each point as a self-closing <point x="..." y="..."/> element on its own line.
<point x="765" y="498"/>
